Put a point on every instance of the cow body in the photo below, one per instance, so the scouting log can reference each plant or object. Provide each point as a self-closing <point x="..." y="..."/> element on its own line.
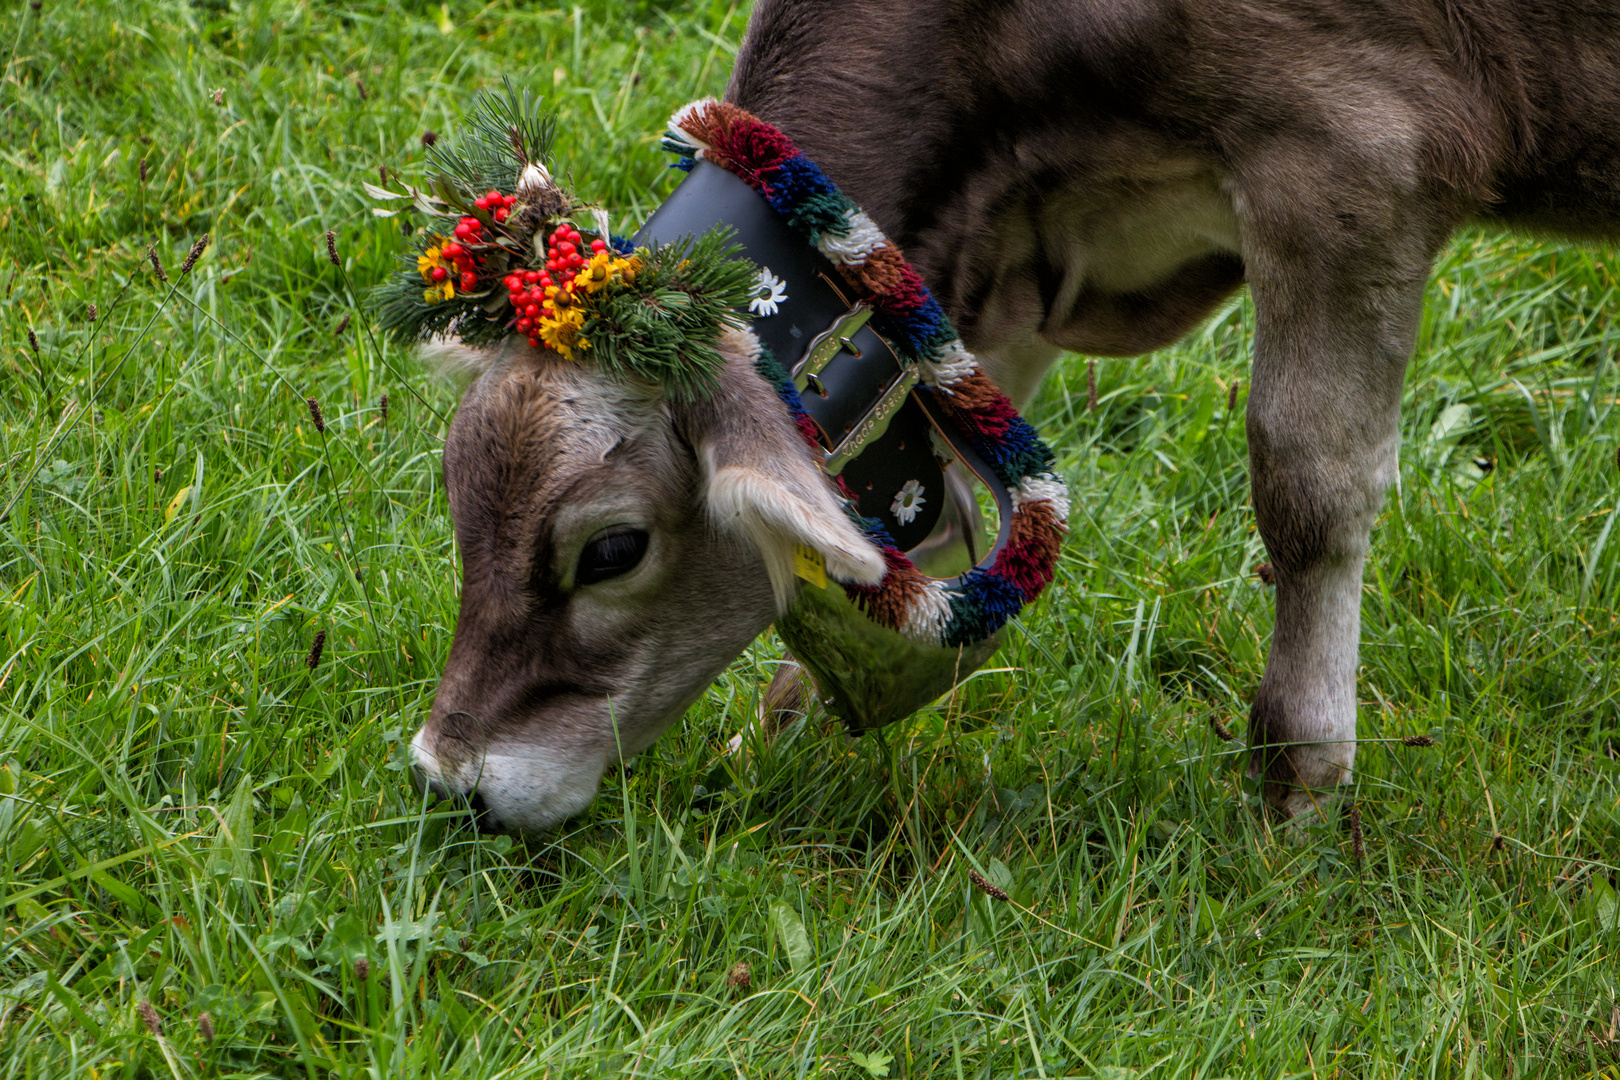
<point x="1098" y="175"/>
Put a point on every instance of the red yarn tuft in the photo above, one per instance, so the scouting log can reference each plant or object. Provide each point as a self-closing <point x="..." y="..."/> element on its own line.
<point x="905" y="298"/>
<point x="808" y="428"/>
<point x="1029" y="560"/>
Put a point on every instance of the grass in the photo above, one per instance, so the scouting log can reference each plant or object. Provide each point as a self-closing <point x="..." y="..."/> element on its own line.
<point x="196" y="822"/>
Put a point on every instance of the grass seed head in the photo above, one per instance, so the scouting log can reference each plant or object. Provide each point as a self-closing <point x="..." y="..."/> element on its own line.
<point x="740" y="976"/>
<point x="382" y="174"/>
<point x="194" y="254"/>
<point x="331" y="247"/>
<point x="1358" y="848"/>
<point x="1265" y="573"/>
<point x="1418" y="740"/>
<point x="36" y="4"/>
<point x="149" y="1017"/>
<point x="157" y="475"/>
<point x="205" y="1027"/>
<point x="157" y="264"/>
<point x="1222" y="732"/>
<point x="315" y="415"/>
<point x="382" y="406"/>
<point x="90" y="313"/>
<point x="1231" y="395"/>
<point x="341" y="326"/>
<point x="1091" y="386"/>
<point x="360" y="85"/>
<point x="33" y="342"/>
<point x="984" y="886"/>
<point x="362" y="966"/>
<point x="143" y="170"/>
<point x="429" y="138"/>
<point x="219" y="97"/>
<point x="316" y="647"/>
<point x="1498" y="842"/>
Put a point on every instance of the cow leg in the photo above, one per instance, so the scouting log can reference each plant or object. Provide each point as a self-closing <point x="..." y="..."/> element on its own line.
<point x="1335" y="325"/>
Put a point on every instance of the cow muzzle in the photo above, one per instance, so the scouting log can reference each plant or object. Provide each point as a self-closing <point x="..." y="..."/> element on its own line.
<point x="509" y="788"/>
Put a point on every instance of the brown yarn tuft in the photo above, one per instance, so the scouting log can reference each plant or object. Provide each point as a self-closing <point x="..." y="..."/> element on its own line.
<point x="1222" y="732"/>
<point x="157" y="263"/>
<point x="316" y="647"/>
<point x="1417" y="740"/>
<point x="194" y="254"/>
<point x="1358" y="847"/>
<point x="315" y="415"/>
<point x="886" y="603"/>
<point x="149" y="1017"/>
<point x="984" y="886"/>
<point x="882" y="270"/>
<point x="331" y="247"/>
<point x="205" y="1027"/>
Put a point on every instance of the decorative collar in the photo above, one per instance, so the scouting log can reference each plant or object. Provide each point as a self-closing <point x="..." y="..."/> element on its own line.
<point x="936" y="370"/>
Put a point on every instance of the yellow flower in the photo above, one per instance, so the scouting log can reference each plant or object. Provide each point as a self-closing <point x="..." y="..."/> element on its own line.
<point x="596" y="274"/>
<point x="561" y="331"/>
<point x="430" y="260"/>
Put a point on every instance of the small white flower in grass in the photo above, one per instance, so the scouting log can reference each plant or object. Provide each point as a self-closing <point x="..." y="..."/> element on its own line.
<point x="907" y="502"/>
<point x="772" y="291"/>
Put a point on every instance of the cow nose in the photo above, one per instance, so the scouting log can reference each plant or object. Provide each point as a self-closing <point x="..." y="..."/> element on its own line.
<point x="426" y="778"/>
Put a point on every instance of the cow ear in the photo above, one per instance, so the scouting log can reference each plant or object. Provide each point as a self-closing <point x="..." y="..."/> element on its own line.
<point x="449" y="359"/>
<point x="761" y="482"/>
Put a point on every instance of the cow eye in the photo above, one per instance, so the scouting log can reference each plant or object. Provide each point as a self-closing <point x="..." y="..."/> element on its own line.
<point x="609" y="554"/>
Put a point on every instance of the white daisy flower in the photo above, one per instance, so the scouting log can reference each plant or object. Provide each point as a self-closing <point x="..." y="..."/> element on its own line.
<point x="908" y="502"/>
<point x="772" y="291"/>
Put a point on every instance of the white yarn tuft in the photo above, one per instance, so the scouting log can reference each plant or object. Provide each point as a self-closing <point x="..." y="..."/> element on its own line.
<point x="1047" y="487"/>
<point x="851" y="249"/>
<point x="955" y="363"/>
<point x="927" y="613"/>
<point x="677" y="128"/>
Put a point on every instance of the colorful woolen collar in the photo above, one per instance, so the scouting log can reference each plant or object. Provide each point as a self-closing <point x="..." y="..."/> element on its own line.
<point x="959" y="611"/>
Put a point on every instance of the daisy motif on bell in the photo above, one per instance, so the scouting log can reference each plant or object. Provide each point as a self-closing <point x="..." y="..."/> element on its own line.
<point x="772" y="292"/>
<point x="907" y="502"/>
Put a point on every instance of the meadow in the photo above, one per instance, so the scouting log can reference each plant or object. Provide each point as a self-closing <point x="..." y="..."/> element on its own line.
<point x="212" y="862"/>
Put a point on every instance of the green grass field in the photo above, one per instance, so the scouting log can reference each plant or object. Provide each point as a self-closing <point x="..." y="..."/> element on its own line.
<point x="196" y="824"/>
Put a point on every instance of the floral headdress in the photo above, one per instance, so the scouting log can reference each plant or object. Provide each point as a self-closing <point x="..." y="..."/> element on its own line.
<point x="508" y="250"/>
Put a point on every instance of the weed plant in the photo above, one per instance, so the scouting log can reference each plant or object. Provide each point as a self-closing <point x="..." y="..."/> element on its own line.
<point x="213" y="863"/>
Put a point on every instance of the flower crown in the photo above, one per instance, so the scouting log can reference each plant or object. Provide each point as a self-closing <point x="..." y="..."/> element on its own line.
<point x="507" y="250"/>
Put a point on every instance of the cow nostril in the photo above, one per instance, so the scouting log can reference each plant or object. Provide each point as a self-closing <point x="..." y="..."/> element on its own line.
<point x="481" y="813"/>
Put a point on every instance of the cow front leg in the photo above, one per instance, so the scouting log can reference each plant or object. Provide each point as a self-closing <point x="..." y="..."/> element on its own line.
<point x="1323" y="423"/>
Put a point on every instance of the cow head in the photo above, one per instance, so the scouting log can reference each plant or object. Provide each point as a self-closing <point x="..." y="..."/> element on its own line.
<point x="618" y="551"/>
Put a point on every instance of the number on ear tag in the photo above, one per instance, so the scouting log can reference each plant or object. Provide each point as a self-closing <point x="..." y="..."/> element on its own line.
<point x="809" y="564"/>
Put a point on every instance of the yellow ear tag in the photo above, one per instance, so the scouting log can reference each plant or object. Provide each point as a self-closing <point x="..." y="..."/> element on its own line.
<point x="809" y="564"/>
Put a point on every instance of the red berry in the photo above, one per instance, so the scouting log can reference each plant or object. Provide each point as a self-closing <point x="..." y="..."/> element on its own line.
<point x="566" y="248"/>
<point x="573" y="235"/>
<point x="512" y="282"/>
<point x="462" y="230"/>
<point x="534" y="342"/>
<point x="481" y="202"/>
<point x="599" y="245"/>
<point x="531" y="276"/>
<point x="545" y="281"/>
<point x="575" y="260"/>
<point x="532" y="311"/>
<point x="551" y="264"/>
<point x="501" y="214"/>
<point x="510" y="200"/>
<point x="524" y="326"/>
<point x="469" y="281"/>
<point x="493" y="197"/>
<point x="452" y="250"/>
<point x="438" y="273"/>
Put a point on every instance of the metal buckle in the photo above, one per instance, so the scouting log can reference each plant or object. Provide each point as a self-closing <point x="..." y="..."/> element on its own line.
<point x="828" y="344"/>
<point x="874" y="423"/>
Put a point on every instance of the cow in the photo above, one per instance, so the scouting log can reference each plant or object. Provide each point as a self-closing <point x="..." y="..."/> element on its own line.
<point x="1085" y="175"/>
